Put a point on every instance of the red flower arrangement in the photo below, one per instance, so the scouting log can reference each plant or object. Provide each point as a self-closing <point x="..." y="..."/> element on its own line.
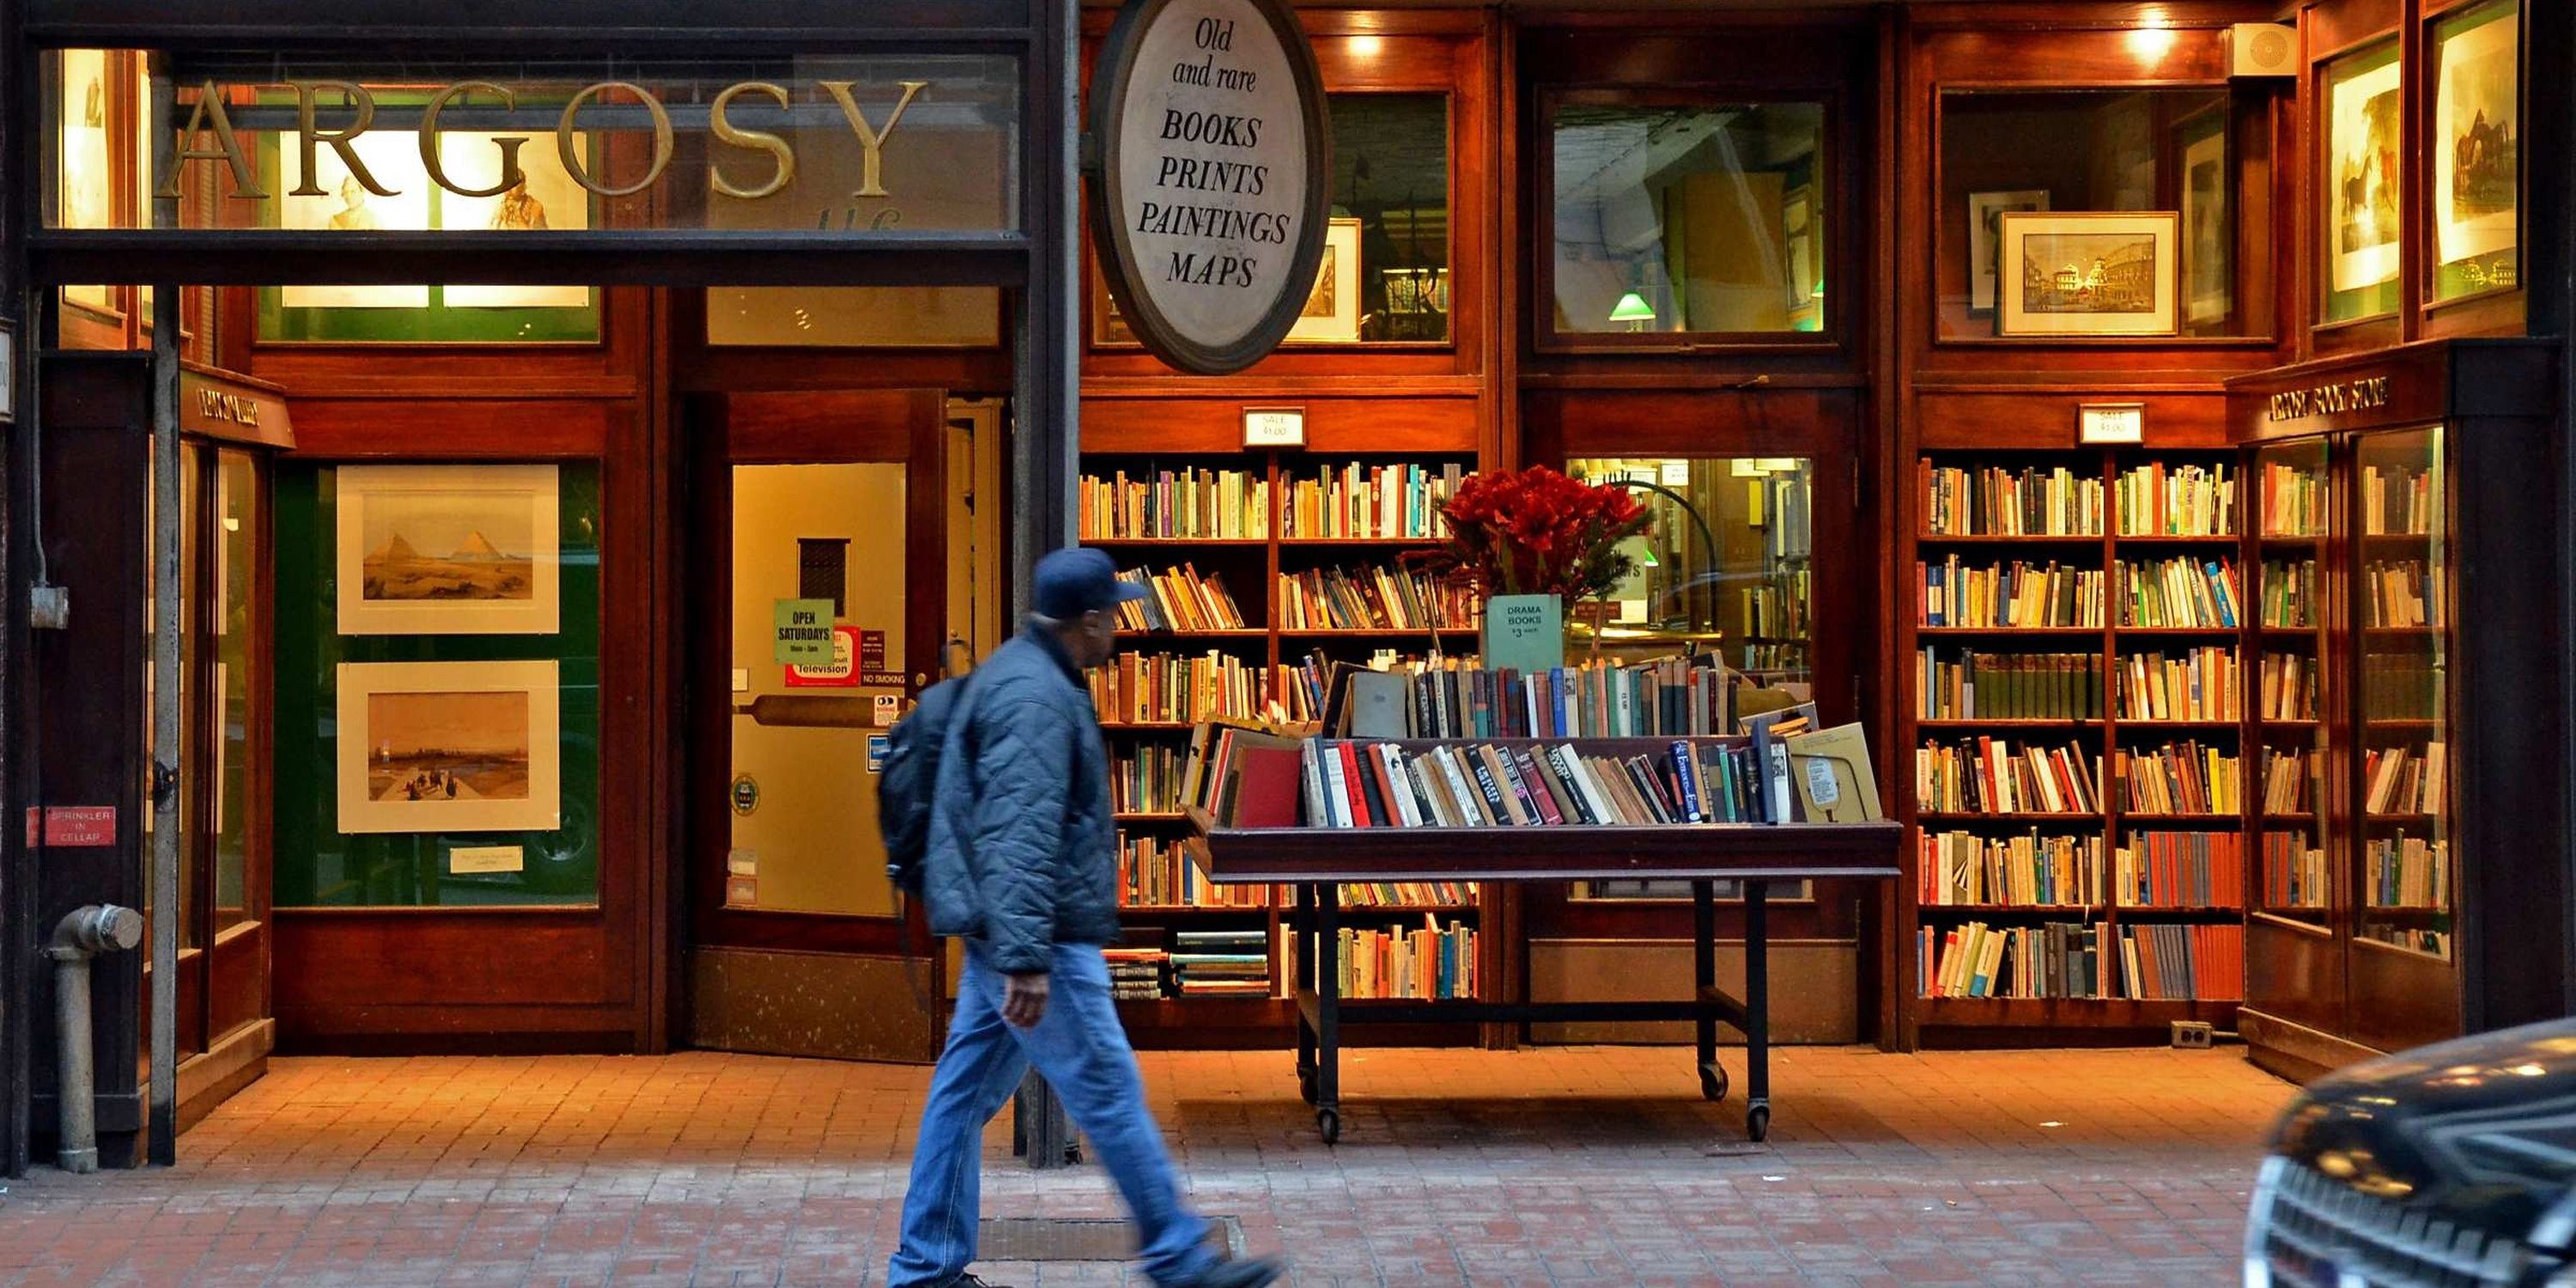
<point x="1535" y="531"/>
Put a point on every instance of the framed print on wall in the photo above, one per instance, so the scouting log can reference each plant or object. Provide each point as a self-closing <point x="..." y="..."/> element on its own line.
<point x="2087" y="274"/>
<point x="85" y="189"/>
<point x="1985" y="228"/>
<point x="2360" y="173"/>
<point x="2208" y="228"/>
<point x="449" y="747"/>
<point x="448" y="550"/>
<point x="2476" y="145"/>
<point x="1332" y="312"/>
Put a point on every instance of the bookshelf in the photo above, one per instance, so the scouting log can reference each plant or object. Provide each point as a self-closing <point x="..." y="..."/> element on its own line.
<point x="1309" y="546"/>
<point x="2077" y="711"/>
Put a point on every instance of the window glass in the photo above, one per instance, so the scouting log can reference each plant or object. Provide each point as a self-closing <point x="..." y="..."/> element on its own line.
<point x="463" y="733"/>
<point x="235" y="590"/>
<point x="1687" y="219"/>
<point x="2062" y="160"/>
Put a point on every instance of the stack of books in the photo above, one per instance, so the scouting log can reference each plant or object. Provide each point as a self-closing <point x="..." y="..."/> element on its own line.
<point x="1181" y="599"/>
<point x="1225" y="505"/>
<point x="1447" y="698"/>
<point x="1138" y="974"/>
<point x="2290" y="597"/>
<point x="2179" y="593"/>
<point x="2396" y="502"/>
<point x="1146" y="780"/>
<point x="2289" y="687"/>
<point x="2003" y="503"/>
<point x="2055" y="959"/>
<point x="2294" y="872"/>
<point x="2398" y="781"/>
<point x="2010" y="686"/>
<point x="1373" y="501"/>
<point x="1221" y="963"/>
<point x="2025" y="871"/>
<point x="2294" y="502"/>
<point x="2407" y="872"/>
<point x="2400" y="594"/>
<point x="2200" y="684"/>
<point x="2181" y="501"/>
<point x="2289" y="782"/>
<point x="1432" y="963"/>
<point x="2177" y="778"/>
<point x="1370" y="599"/>
<point x="2182" y="870"/>
<point x="2182" y="963"/>
<point x="1986" y="776"/>
<point x="1171" y="688"/>
<point x="2013" y="595"/>
<point x="1375" y="784"/>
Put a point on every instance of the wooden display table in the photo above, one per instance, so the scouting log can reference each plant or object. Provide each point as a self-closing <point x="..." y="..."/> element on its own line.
<point x="1318" y="860"/>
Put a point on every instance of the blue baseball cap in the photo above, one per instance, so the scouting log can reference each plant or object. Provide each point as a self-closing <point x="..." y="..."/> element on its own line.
<point x="1077" y="581"/>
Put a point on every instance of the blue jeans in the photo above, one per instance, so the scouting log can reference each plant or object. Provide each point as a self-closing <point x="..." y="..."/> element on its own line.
<point x="1081" y="1049"/>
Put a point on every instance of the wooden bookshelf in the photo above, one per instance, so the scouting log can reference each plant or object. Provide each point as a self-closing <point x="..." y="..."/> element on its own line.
<point x="2070" y="1021"/>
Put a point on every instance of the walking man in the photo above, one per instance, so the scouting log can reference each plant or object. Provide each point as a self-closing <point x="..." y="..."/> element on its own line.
<point x="1021" y="865"/>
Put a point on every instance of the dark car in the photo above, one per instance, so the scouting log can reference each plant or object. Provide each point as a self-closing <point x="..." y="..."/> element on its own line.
<point x="2448" y="1165"/>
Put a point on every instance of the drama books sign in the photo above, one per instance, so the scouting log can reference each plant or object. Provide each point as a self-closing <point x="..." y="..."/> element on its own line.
<point x="1209" y="204"/>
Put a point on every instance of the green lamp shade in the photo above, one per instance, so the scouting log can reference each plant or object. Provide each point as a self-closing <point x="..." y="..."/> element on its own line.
<point x="1632" y="307"/>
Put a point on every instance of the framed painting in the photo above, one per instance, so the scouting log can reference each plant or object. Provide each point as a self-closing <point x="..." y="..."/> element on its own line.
<point x="2093" y="273"/>
<point x="2208" y="223"/>
<point x="448" y="550"/>
<point x="2361" y="168"/>
<point x="84" y="185"/>
<point x="449" y="747"/>
<point x="1985" y="230"/>
<point x="1332" y="312"/>
<point x="2476" y="146"/>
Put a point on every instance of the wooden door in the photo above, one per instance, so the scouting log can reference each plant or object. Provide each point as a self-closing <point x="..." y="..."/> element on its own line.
<point x="812" y="511"/>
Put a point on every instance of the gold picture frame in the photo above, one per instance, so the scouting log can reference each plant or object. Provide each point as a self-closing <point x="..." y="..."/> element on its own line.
<point x="450" y="747"/>
<point x="2087" y="274"/>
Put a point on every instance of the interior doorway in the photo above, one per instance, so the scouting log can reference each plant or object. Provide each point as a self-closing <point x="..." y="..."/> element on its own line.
<point x="833" y="536"/>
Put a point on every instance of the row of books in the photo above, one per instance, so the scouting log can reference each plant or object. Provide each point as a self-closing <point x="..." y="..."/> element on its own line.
<point x="1368" y="599"/>
<point x="2014" y="594"/>
<point x="1156" y="872"/>
<point x="2397" y="501"/>
<point x="1377" y="784"/>
<point x="2402" y="593"/>
<point x="2175" y="501"/>
<point x="1181" y="599"/>
<point x="2418" y="938"/>
<point x="1221" y="963"/>
<point x="1986" y="776"/>
<point x="1781" y="611"/>
<point x="2294" y="501"/>
<point x="1408" y="894"/>
<point x="1378" y="501"/>
<point x="1224" y="505"/>
<point x="2148" y="962"/>
<point x="2178" y="592"/>
<point x="2404" y="871"/>
<point x="2291" y="600"/>
<point x="2198" y="684"/>
<point x="1177" y="688"/>
<point x="2185" y="778"/>
<point x="2008" y="686"/>
<point x="1995" y="502"/>
<point x="1431" y="963"/>
<point x="2289" y="781"/>
<point x="2180" y="870"/>
<point x="1145" y="780"/>
<point x="2028" y="870"/>
<point x="2400" y="686"/>
<point x="2294" y="871"/>
<point x="2401" y="780"/>
<point x="2289" y="688"/>
<point x="1452" y="698"/>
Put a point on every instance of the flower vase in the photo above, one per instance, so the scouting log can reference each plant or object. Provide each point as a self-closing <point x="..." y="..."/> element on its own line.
<point x="1524" y="633"/>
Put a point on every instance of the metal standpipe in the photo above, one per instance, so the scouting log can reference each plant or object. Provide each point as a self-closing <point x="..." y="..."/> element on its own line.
<point x="84" y="934"/>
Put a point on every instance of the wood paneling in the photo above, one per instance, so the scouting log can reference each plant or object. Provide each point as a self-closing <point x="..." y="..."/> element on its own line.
<point x="1392" y="424"/>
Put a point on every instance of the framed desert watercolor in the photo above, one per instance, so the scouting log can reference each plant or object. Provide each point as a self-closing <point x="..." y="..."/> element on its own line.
<point x="450" y="747"/>
<point x="448" y="550"/>
<point x="2476" y="147"/>
<point x="2358" y="176"/>
<point x="2076" y="274"/>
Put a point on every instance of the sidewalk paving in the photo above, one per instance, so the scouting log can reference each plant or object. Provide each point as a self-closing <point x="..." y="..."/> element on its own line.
<point x="1557" y="1166"/>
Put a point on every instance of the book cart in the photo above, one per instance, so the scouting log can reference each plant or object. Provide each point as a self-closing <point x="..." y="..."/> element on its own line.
<point x="1315" y="862"/>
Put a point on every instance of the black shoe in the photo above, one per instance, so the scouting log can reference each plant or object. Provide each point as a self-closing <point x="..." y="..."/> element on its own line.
<point x="970" y="1281"/>
<point x="1249" y="1273"/>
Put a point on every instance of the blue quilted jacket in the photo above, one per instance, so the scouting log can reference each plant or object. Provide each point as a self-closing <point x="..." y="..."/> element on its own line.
<point x="1022" y="852"/>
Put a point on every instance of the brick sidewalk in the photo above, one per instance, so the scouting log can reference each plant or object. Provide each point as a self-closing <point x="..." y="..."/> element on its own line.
<point x="1557" y="1166"/>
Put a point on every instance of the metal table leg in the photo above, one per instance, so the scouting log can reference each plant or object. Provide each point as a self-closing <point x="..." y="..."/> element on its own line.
<point x="1712" y="1075"/>
<point x="1757" y="1009"/>
<point x="1328" y="1025"/>
<point x="1301" y="917"/>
